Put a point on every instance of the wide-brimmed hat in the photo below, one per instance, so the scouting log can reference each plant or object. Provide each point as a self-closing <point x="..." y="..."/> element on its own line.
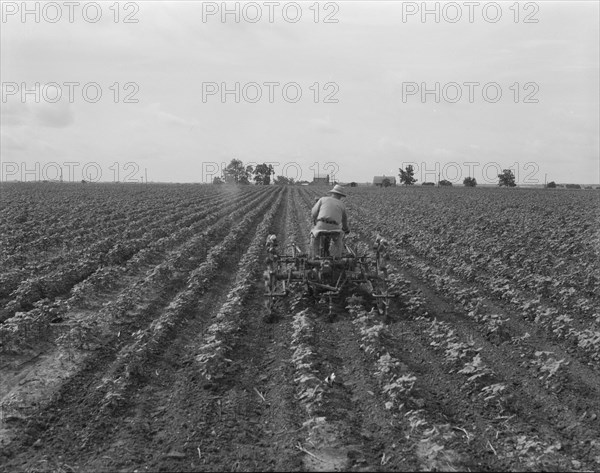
<point x="337" y="189"/>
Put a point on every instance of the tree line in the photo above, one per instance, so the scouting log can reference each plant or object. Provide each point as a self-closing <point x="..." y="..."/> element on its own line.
<point x="407" y="177"/>
<point x="238" y="173"/>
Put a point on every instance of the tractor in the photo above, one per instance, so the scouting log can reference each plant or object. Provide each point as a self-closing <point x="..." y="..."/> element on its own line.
<point x="324" y="277"/>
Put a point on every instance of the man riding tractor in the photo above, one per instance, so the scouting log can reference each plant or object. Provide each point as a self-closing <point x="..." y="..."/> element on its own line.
<point x="329" y="218"/>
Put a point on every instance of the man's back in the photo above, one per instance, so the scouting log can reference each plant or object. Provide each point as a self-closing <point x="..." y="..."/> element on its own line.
<point x="329" y="208"/>
<point x="329" y="214"/>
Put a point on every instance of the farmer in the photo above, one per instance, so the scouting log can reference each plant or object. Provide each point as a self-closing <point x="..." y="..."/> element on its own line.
<point x="329" y="214"/>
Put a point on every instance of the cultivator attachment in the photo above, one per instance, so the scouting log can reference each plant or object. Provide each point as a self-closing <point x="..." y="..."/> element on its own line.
<point x="324" y="277"/>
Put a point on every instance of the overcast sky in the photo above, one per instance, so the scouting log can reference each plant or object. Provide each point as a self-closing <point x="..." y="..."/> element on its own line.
<point x="361" y="69"/>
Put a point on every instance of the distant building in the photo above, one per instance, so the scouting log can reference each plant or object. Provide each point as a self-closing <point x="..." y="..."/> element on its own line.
<point x="321" y="180"/>
<point x="378" y="180"/>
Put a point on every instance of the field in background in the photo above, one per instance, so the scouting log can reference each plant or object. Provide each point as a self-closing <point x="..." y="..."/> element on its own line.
<point x="132" y="333"/>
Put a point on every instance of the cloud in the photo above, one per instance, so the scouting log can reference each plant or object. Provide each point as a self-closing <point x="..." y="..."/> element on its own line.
<point x="385" y="144"/>
<point x="14" y="114"/>
<point x="442" y="153"/>
<point x="155" y="111"/>
<point x="11" y="142"/>
<point x="323" y="125"/>
<point x="44" y="114"/>
<point x="54" y="115"/>
<point x="543" y="42"/>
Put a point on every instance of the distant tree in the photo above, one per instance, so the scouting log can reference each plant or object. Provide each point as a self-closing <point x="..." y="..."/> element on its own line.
<point x="573" y="186"/>
<point x="507" y="178"/>
<point x="551" y="185"/>
<point x="407" y="176"/>
<point x="236" y="171"/>
<point x="470" y="182"/>
<point x="283" y="181"/>
<point x="246" y="177"/>
<point x="446" y="183"/>
<point x="428" y="183"/>
<point x="353" y="184"/>
<point x="83" y="181"/>
<point x="386" y="182"/>
<point x="262" y="174"/>
<point x="217" y="180"/>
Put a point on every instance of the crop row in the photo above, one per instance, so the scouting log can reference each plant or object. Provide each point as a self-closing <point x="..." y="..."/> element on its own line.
<point x="430" y="440"/>
<point x="190" y="239"/>
<point x="26" y="326"/>
<point x="107" y="250"/>
<point x="493" y="388"/>
<point x="105" y="244"/>
<point x="65" y="221"/>
<point x="504" y="241"/>
<point x="131" y="359"/>
<point x="559" y="327"/>
<point x="495" y="326"/>
<point x="219" y="338"/>
<point x="581" y="327"/>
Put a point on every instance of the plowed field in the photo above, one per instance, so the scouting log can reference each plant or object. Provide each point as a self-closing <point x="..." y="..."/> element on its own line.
<point x="133" y="333"/>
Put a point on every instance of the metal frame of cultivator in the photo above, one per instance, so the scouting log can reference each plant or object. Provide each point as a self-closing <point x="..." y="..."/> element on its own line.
<point x="324" y="276"/>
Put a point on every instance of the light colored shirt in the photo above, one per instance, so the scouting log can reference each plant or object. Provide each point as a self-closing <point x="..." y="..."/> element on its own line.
<point x="331" y="209"/>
